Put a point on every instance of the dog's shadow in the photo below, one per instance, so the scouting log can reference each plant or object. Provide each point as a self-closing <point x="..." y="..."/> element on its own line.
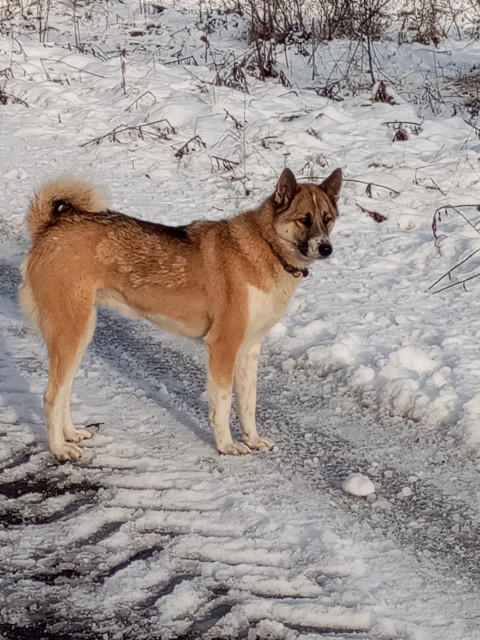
<point x="168" y="369"/>
<point x="15" y="392"/>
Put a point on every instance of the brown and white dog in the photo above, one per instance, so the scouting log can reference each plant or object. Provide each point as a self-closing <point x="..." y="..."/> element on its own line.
<point x="226" y="281"/>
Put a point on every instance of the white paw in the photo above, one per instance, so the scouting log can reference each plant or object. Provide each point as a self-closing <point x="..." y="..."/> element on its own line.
<point x="65" y="452"/>
<point x="77" y="435"/>
<point x="234" y="449"/>
<point x="259" y="442"/>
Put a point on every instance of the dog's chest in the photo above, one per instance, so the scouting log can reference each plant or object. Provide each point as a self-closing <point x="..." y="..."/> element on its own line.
<point x="265" y="308"/>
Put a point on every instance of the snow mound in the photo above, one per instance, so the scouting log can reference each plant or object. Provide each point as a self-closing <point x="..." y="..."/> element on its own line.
<point x="358" y="485"/>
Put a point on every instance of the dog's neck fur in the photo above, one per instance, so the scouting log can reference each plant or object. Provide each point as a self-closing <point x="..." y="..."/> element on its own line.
<point x="264" y="216"/>
<point x="295" y="271"/>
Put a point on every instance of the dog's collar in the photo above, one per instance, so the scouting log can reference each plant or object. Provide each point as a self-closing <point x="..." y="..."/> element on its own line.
<point x="289" y="268"/>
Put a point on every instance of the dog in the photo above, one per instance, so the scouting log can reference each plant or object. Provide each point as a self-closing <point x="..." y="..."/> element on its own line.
<point x="226" y="282"/>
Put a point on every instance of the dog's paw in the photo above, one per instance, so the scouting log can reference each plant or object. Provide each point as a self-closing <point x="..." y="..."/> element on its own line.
<point x="66" y="452"/>
<point x="234" y="449"/>
<point x="77" y="435"/>
<point x="259" y="442"/>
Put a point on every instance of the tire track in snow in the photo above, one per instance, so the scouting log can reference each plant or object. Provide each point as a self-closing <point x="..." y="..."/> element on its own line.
<point x="158" y="543"/>
<point x="64" y="566"/>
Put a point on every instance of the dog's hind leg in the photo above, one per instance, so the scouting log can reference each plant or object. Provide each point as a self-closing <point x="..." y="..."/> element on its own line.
<point x="67" y="339"/>
<point x="246" y="368"/>
<point x="69" y="431"/>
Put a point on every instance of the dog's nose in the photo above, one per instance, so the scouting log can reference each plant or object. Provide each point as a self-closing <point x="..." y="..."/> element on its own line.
<point x="325" y="249"/>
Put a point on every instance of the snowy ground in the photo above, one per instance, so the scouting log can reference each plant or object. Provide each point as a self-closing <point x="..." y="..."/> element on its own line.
<point x="152" y="534"/>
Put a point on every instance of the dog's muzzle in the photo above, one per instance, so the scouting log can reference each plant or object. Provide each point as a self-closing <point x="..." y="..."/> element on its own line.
<point x="316" y="250"/>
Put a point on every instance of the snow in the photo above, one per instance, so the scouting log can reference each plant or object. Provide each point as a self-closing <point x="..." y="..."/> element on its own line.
<point x="372" y="369"/>
<point x="358" y="484"/>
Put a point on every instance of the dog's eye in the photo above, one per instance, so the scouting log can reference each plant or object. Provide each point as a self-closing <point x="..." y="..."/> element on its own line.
<point x="307" y="220"/>
<point x="327" y="218"/>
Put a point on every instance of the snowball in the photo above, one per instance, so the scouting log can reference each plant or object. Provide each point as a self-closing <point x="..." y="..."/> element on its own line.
<point x="414" y="359"/>
<point x="358" y="485"/>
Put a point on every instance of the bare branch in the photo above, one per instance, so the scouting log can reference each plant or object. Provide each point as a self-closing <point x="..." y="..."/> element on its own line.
<point x="137" y="100"/>
<point x="378" y="217"/>
<point x="449" y="272"/>
<point x="224" y="163"/>
<point x="194" y="143"/>
<point x="140" y="129"/>
<point x="454" y="284"/>
<point x="437" y="217"/>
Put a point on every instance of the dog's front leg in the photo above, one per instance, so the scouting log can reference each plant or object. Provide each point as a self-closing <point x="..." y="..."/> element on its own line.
<point x="246" y="371"/>
<point x="220" y="401"/>
<point x="222" y="353"/>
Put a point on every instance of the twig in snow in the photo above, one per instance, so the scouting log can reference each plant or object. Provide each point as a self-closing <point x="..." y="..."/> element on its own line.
<point x="235" y="78"/>
<point x="378" y="217"/>
<point x="223" y="163"/>
<point x="95" y="425"/>
<point x="5" y="98"/>
<point x="449" y="272"/>
<point x="381" y="94"/>
<point x="229" y="136"/>
<point x="185" y="60"/>
<point x="372" y="184"/>
<point x="437" y="216"/>
<point x="191" y="145"/>
<point x="141" y="129"/>
<point x="123" y="67"/>
<point x="285" y="81"/>
<point x="271" y="142"/>
<point x="454" y="284"/>
<point x="404" y="125"/>
<point x="90" y="73"/>
<point x="436" y="187"/>
<point x="400" y="135"/>
<point x="137" y="100"/>
<point x="210" y="115"/>
<point x="238" y="124"/>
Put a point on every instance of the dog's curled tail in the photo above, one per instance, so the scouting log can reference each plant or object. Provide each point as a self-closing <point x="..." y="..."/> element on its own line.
<point x="57" y="198"/>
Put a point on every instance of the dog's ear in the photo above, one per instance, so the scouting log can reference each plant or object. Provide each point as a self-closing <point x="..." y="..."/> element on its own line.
<point x="332" y="185"/>
<point x="286" y="190"/>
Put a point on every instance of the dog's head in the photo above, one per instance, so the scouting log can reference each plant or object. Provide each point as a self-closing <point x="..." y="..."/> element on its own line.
<point x="304" y="215"/>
